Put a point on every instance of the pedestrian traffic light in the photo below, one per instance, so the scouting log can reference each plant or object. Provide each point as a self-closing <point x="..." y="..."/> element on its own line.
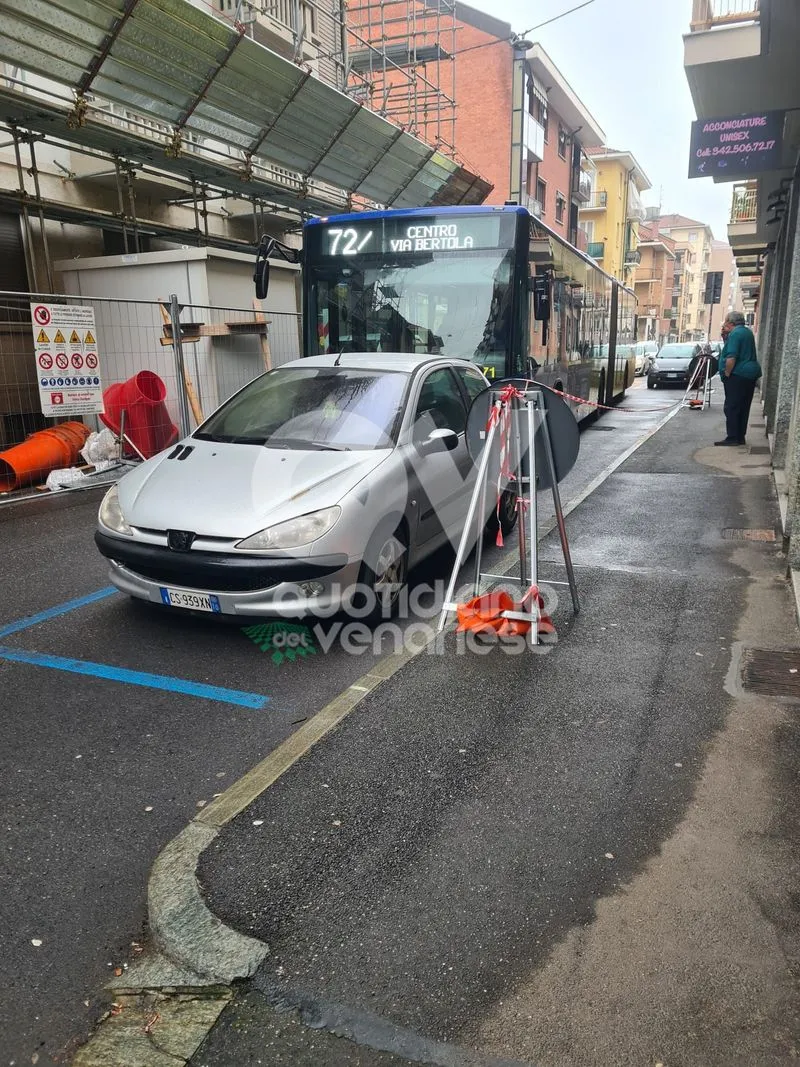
<point x="713" y="293"/>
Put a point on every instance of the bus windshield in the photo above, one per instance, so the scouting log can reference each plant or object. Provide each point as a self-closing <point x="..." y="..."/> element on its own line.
<point x="445" y="303"/>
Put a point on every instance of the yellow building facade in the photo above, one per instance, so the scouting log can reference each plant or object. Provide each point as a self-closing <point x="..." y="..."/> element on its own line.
<point x="612" y="215"/>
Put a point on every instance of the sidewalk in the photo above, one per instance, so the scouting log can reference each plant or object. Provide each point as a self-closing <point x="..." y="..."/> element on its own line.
<point x="583" y="857"/>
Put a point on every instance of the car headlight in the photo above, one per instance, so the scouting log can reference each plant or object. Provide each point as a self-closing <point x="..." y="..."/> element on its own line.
<point x="654" y="365"/>
<point x="110" y="514"/>
<point x="294" y="533"/>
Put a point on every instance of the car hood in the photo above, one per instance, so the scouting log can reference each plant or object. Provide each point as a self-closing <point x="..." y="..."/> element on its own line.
<point x="233" y="491"/>
<point x="673" y="362"/>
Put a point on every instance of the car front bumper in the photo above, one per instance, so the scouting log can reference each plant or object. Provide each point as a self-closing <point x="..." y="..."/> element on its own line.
<point x="669" y="377"/>
<point x="243" y="585"/>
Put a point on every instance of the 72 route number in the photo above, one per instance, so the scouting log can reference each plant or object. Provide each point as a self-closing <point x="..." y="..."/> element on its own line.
<point x="349" y="241"/>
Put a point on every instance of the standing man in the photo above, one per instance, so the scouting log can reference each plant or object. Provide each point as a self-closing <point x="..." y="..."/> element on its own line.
<point x="740" y="370"/>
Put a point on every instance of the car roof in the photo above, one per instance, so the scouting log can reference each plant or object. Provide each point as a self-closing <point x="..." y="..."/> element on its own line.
<point x="405" y="362"/>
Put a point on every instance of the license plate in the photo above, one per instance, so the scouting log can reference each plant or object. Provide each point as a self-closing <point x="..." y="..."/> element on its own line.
<point x="185" y="598"/>
<point x="672" y="375"/>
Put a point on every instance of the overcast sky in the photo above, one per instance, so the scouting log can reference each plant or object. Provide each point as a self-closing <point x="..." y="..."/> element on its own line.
<point x="624" y="59"/>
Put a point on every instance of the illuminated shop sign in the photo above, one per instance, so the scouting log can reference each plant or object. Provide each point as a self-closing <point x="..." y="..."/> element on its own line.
<point x="738" y="146"/>
<point x="407" y="234"/>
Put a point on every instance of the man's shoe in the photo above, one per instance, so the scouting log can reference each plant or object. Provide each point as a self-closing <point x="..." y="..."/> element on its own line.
<point x="741" y="441"/>
<point x="728" y="441"/>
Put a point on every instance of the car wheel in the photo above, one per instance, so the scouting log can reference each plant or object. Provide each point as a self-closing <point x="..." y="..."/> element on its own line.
<point x="508" y="515"/>
<point x="384" y="572"/>
<point x="650" y="383"/>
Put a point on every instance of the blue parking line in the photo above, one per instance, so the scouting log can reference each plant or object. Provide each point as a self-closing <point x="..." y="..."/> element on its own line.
<point x="59" y="609"/>
<point x="150" y="681"/>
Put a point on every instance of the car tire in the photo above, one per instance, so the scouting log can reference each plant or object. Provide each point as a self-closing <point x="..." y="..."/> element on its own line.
<point x="508" y="516"/>
<point x="385" y="564"/>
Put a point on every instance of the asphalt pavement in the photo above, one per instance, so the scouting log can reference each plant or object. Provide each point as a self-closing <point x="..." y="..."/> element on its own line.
<point x="121" y="722"/>
<point x="587" y="856"/>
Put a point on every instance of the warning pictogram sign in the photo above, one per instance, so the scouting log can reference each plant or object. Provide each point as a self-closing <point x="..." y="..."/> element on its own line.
<point x="64" y="345"/>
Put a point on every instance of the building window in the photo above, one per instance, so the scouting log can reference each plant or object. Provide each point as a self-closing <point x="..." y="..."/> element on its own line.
<point x="541" y="193"/>
<point x="540" y="110"/>
<point x="561" y="203"/>
<point x="692" y="236"/>
<point x="562" y="141"/>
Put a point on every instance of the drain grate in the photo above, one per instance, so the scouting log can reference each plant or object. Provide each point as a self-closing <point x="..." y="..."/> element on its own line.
<point x="732" y="534"/>
<point x="760" y="450"/>
<point x="775" y="674"/>
<point x="608" y="428"/>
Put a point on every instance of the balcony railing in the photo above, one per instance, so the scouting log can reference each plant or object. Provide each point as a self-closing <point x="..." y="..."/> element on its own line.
<point x="633" y="256"/>
<point x="596" y="200"/>
<point x="596" y="249"/>
<point x="533" y="205"/>
<point x="583" y="190"/>
<point x="744" y="205"/>
<point x="707" y="14"/>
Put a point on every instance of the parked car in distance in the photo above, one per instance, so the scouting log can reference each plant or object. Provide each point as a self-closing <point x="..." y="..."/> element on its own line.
<point x="671" y="366"/>
<point x="323" y="474"/>
<point x="649" y="353"/>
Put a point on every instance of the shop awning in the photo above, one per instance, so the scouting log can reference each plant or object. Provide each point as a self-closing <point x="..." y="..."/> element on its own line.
<point x="176" y="86"/>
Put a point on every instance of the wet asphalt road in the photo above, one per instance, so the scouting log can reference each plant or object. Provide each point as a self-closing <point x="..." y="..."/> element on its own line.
<point x="564" y="775"/>
<point x="98" y="775"/>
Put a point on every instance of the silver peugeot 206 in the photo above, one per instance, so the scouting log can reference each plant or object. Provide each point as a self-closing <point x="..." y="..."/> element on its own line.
<point x="319" y="480"/>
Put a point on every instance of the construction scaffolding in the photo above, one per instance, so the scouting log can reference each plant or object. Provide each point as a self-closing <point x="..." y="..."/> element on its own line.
<point x="401" y="63"/>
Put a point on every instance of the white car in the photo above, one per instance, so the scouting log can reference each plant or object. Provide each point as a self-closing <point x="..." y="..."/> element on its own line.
<point x="329" y="472"/>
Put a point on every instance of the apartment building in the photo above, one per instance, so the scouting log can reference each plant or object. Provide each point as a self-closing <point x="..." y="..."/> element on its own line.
<point x="693" y="246"/>
<point x="722" y="261"/>
<point x="518" y="122"/>
<point x="654" y="284"/>
<point x="613" y="212"/>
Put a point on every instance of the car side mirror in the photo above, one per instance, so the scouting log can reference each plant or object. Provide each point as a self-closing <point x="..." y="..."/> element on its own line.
<point x="439" y="440"/>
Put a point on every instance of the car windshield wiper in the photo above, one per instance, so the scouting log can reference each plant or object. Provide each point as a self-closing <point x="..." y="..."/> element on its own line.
<point x="229" y="439"/>
<point x="315" y="446"/>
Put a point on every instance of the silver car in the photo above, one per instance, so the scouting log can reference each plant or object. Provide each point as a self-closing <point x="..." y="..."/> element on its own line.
<point x="320" y="480"/>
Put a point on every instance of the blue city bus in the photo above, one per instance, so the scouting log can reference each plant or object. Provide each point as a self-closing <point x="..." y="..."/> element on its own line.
<point x="491" y="284"/>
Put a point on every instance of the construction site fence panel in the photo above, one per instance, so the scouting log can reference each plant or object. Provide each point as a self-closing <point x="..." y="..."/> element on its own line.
<point x="221" y="349"/>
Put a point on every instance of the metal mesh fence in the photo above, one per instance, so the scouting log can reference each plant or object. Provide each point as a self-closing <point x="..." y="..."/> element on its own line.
<point x="166" y="366"/>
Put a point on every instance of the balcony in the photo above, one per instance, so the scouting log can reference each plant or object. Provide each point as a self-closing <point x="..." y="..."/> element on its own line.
<point x="633" y="257"/>
<point x="285" y="27"/>
<point x="583" y="190"/>
<point x="582" y="240"/>
<point x="597" y="201"/>
<point x="744" y="205"/>
<point x="709" y="14"/>
<point x="532" y="204"/>
<point x="635" y="206"/>
<point x="533" y="139"/>
<point x="596" y="249"/>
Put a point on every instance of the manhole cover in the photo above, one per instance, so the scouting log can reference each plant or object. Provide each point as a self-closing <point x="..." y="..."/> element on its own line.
<point x="732" y="534"/>
<point x="760" y="450"/>
<point x="775" y="674"/>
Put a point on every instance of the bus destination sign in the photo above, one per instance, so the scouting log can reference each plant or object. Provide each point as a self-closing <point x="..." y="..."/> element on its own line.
<point x="409" y="234"/>
<point x="736" y="147"/>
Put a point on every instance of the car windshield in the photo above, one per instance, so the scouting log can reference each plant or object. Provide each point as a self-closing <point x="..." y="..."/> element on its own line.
<point x="446" y="303"/>
<point x="677" y="352"/>
<point x="319" y="408"/>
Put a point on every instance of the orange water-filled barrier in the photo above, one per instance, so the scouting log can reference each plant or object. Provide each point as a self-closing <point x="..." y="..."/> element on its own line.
<point x="42" y="452"/>
<point x="147" y="423"/>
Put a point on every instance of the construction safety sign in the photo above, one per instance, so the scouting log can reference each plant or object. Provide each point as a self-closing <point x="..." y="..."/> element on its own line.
<point x="68" y="365"/>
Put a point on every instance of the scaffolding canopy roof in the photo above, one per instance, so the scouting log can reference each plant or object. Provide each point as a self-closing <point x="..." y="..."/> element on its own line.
<point x="209" y="103"/>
